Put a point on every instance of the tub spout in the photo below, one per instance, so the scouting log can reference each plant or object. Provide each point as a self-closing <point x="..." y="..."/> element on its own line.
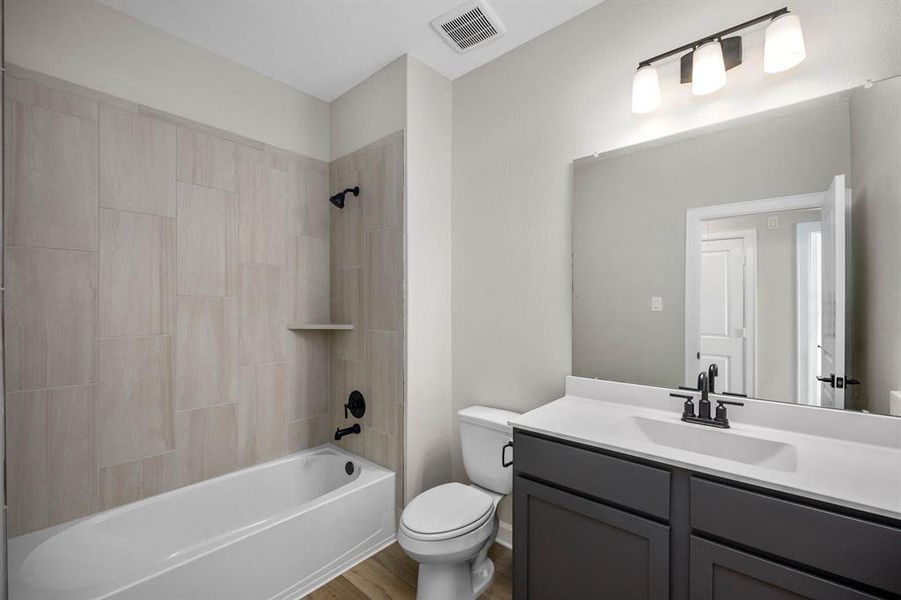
<point x="340" y="433"/>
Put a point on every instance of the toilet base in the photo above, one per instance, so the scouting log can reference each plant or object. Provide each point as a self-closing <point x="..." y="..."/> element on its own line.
<point x="453" y="581"/>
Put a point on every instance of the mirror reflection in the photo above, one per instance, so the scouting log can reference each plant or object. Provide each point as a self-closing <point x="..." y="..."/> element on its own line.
<point x="768" y="247"/>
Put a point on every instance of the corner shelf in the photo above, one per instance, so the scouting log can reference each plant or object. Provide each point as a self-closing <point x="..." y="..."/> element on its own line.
<point x="320" y="326"/>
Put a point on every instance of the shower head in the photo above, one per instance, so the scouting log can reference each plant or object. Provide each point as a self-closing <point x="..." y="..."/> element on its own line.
<point x="338" y="199"/>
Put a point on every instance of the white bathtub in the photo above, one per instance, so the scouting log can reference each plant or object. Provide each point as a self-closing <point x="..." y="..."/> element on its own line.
<point x="273" y="531"/>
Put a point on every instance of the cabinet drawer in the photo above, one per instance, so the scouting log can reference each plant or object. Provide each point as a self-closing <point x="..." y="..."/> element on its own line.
<point x="639" y="487"/>
<point x="849" y="547"/>
<point x="722" y="573"/>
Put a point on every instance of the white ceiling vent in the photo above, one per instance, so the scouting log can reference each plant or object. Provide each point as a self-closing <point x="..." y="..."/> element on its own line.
<point x="468" y="26"/>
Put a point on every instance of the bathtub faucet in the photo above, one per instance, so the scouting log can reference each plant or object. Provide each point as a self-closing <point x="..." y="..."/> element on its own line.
<point x="340" y="433"/>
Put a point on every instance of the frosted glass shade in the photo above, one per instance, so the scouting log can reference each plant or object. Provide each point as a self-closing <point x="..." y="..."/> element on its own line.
<point x="784" y="44"/>
<point x="708" y="71"/>
<point x="645" y="90"/>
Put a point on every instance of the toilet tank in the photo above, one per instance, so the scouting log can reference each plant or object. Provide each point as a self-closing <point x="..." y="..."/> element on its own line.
<point x="483" y="433"/>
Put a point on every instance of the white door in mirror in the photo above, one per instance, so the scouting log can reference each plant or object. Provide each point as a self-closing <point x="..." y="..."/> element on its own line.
<point x="723" y="311"/>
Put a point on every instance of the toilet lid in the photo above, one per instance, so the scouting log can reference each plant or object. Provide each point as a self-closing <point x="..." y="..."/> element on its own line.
<point x="452" y="508"/>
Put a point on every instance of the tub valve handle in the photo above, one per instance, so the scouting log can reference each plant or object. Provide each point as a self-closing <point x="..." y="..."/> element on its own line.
<point x="356" y="404"/>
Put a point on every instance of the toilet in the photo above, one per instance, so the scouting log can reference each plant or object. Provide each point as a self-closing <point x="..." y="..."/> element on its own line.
<point x="449" y="528"/>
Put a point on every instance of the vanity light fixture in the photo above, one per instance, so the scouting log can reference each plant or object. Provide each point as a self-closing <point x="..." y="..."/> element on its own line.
<point x="708" y="59"/>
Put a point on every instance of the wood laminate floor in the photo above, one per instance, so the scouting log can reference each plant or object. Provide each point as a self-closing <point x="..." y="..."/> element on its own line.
<point x="391" y="575"/>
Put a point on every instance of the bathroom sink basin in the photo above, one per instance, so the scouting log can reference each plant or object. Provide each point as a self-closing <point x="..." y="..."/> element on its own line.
<point x="713" y="442"/>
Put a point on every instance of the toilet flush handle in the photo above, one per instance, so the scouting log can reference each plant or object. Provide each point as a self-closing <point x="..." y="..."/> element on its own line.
<point x="504" y="454"/>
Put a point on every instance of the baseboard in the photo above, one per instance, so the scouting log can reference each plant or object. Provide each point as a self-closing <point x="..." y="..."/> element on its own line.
<point x="505" y="534"/>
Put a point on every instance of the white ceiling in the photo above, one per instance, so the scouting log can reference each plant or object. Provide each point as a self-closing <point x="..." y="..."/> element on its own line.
<point x="325" y="47"/>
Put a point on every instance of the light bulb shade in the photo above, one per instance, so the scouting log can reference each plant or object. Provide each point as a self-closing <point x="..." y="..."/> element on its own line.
<point x="708" y="70"/>
<point x="645" y="90"/>
<point x="784" y="44"/>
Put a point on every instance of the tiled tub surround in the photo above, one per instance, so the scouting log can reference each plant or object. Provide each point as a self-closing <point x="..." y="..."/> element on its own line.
<point x="153" y="265"/>
<point x="367" y="275"/>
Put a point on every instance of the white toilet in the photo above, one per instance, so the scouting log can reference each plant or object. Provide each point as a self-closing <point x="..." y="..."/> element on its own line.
<point x="449" y="528"/>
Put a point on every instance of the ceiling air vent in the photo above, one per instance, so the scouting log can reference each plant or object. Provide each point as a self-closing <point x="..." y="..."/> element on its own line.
<point x="468" y="26"/>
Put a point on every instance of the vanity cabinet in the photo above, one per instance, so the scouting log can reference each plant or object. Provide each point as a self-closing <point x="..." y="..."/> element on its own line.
<point x="589" y="523"/>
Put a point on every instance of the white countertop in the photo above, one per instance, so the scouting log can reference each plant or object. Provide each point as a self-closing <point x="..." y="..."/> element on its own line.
<point x="841" y="470"/>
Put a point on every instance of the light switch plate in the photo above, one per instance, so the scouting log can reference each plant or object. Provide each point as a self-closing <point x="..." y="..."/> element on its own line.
<point x="656" y="303"/>
<point x="772" y="223"/>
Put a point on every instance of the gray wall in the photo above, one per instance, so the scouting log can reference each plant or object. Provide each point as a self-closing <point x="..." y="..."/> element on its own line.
<point x="876" y="189"/>
<point x="629" y="228"/>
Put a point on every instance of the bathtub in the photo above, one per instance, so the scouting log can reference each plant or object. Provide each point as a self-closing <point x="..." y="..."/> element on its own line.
<point x="273" y="531"/>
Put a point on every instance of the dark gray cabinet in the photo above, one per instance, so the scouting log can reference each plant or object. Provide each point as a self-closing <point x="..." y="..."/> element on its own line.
<point x="722" y="573"/>
<point x="571" y="547"/>
<point x="589" y="523"/>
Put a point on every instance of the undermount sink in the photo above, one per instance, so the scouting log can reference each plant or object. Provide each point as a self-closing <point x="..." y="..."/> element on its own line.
<point x="713" y="442"/>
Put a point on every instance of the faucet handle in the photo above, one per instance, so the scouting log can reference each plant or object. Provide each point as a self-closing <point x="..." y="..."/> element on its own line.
<point x="688" y="409"/>
<point x="730" y="402"/>
<point x="720" y="414"/>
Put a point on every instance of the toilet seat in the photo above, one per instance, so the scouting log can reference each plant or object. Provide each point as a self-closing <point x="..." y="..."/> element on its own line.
<point x="446" y="511"/>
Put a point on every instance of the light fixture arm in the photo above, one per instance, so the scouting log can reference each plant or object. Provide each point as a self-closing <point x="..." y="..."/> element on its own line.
<point x="716" y="36"/>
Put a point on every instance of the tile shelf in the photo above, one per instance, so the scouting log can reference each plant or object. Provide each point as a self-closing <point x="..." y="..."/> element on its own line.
<point x="320" y="326"/>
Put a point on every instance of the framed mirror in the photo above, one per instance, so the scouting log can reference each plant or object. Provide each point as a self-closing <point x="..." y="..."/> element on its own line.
<point x="769" y="246"/>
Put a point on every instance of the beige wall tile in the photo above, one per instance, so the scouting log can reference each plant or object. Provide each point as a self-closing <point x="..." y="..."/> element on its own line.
<point x="381" y="186"/>
<point x="308" y="373"/>
<point x="399" y="455"/>
<point x="205" y="241"/>
<point x="310" y="208"/>
<point x="136" y="398"/>
<point x="348" y="308"/>
<point x="52" y="456"/>
<point x="206" y="160"/>
<point x="139" y="479"/>
<point x="262" y="206"/>
<point x="206" y="352"/>
<point x="311" y="280"/>
<point x="161" y="473"/>
<point x="347" y="234"/>
<point x="72" y="425"/>
<point x="392" y="200"/>
<point x="207" y="442"/>
<point x="51" y="317"/>
<point x="308" y="433"/>
<point x="137" y="162"/>
<point x="347" y="376"/>
<point x="381" y="379"/>
<point x="378" y="447"/>
<point x="52" y="98"/>
<point x="121" y="484"/>
<point x="263" y="314"/>
<point x="383" y="291"/>
<point x="50" y="178"/>
<point x="28" y="478"/>
<point x="137" y="274"/>
<point x="262" y="413"/>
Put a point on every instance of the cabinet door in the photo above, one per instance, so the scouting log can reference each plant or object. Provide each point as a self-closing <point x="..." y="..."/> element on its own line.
<point x="723" y="573"/>
<point x="569" y="547"/>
